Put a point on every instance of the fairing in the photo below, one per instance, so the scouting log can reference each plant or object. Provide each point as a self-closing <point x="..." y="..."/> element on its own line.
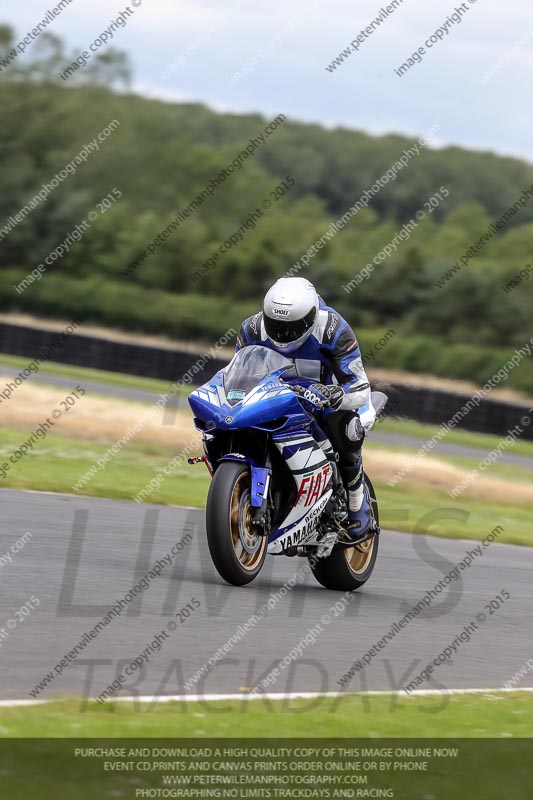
<point x="267" y="403"/>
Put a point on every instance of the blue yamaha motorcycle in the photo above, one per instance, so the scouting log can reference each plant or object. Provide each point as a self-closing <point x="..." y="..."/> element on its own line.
<point x="275" y="486"/>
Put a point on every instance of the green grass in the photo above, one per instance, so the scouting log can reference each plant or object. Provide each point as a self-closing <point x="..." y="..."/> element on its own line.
<point x="514" y="472"/>
<point x="48" y="768"/>
<point x="457" y="436"/>
<point x="507" y="472"/>
<point x="58" y="462"/>
<point x="406" y="508"/>
<point x="478" y="716"/>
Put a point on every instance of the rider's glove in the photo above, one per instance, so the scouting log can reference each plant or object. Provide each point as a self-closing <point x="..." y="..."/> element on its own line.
<point x="314" y="399"/>
<point x="317" y="396"/>
<point x="335" y="395"/>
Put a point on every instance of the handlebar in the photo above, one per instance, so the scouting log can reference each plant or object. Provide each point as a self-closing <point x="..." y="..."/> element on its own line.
<point x="294" y="387"/>
<point x="297" y="389"/>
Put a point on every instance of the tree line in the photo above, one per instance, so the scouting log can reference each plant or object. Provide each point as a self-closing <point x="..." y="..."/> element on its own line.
<point x="145" y="198"/>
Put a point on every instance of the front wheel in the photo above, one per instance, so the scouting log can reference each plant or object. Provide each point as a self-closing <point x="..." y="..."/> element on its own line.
<point x="349" y="568"/>
<point x="238" y="552"/>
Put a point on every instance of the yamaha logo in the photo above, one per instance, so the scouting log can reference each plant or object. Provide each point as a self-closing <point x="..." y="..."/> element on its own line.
<point x="229" y="420"/>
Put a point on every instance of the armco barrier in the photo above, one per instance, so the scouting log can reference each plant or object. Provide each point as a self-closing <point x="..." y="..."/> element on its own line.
<point x="165" y="363"/>
<point x="434" y="406"/>
<point x="168" y="363"/>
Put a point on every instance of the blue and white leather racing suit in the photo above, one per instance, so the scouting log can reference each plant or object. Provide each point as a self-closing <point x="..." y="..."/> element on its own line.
<point x="331" y="355"/>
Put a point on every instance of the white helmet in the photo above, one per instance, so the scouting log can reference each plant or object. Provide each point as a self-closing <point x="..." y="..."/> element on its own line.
<point x="290" y="313"/>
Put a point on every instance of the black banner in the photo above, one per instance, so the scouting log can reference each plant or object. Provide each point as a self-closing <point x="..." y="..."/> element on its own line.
<point x="405" y="769"/>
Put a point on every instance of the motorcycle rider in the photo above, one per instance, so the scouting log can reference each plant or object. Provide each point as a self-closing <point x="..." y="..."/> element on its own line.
<point x="296" y="322"/>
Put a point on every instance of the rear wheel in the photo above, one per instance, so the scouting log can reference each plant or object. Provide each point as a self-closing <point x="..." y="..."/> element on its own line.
<point x="349" y="568"/>
<point x="238" y="552"/>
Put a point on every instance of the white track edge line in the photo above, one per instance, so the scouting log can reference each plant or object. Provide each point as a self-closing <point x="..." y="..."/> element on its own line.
<point x="194" y="698"/>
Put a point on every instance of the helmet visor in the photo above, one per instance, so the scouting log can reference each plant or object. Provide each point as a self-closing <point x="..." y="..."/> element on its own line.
<point x="284" y="331"/>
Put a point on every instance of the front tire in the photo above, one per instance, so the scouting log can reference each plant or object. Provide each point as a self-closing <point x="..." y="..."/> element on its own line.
<point x="349" y="568"/>
<point x="237" y="551"/>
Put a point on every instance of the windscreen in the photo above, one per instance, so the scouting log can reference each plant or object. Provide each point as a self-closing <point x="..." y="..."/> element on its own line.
<point x="249" y="366"/>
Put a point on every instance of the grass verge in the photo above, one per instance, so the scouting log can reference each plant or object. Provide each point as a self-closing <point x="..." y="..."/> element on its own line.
<point x="484" y="441"/>
<point x="467" y="766"/>
<point x="406" y="427"/>
<point x="486" y="715"/>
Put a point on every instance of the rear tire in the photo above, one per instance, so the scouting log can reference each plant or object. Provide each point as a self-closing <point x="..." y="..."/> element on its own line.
<point x="347" y="569"/>
<point x="237" y="551"/>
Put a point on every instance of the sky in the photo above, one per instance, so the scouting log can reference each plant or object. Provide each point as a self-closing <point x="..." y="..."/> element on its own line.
<point x="197" y="50"/>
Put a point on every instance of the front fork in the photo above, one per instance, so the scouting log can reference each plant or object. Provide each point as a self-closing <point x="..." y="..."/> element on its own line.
<point x="259" y="493"/>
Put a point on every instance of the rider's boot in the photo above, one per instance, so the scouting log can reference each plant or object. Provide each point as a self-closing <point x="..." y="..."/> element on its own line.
<point x="359" y="516"/>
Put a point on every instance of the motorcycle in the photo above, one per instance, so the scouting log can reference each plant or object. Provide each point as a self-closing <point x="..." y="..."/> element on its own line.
<point x="276" y="487"/>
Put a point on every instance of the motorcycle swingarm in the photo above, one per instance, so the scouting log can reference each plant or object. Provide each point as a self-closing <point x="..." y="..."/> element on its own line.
<point x="347" y="545"/>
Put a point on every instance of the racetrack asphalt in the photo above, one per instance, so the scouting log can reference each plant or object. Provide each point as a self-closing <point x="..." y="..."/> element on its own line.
<point x="85" y="553"/>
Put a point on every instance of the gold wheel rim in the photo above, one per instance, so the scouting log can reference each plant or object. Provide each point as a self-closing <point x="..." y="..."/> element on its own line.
<point x="248" y="546"/>
<point x="359" y="557"/>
